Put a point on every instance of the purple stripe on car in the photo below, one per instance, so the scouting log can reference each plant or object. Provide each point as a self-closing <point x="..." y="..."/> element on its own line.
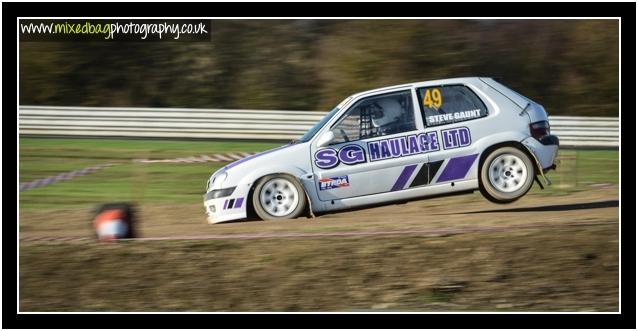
<point x="238" y="202"/>
<point x="225" y="204"/>
<point x="238" y="162"/>
<point x="457" y="168"/>
<point x="403" y="178"/>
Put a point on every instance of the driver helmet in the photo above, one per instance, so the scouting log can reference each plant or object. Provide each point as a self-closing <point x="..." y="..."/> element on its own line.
<point x="389" y="112"/>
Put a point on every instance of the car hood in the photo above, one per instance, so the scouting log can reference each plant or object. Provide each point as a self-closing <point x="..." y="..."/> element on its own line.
<point x="290" y="154"/>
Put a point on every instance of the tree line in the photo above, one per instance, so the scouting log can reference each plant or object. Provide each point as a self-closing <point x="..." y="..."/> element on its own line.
<point x="569" y="66"/>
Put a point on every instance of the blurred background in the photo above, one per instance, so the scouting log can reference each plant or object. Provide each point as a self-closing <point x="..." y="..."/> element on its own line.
<point x="569" y="66"/>
<point x="554" y="250"/>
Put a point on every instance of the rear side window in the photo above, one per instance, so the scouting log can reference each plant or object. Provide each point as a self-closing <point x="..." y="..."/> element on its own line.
<point x="449" y="104"/>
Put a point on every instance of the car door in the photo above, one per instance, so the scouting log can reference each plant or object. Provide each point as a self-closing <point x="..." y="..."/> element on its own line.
<point x="379" y="144"/>
<point x="459" y="117"/>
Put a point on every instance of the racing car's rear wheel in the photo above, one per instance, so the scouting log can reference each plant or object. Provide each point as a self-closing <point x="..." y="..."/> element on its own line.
<point x="279" y="197"/>
<point x="507" y="173"/>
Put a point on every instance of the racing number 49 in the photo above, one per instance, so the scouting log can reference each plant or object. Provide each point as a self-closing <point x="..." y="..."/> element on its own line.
<point x="432" y="98"/>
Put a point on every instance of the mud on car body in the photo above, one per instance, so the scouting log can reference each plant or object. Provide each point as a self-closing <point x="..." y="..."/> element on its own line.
<point x="396" y="143"/>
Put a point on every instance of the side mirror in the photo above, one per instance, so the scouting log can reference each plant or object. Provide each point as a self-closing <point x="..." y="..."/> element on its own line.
<point x="326" y="138"/>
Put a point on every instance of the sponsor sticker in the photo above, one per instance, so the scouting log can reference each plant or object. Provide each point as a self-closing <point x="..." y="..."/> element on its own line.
<point x="333" y="182"/>
<point x="390" y="148"/>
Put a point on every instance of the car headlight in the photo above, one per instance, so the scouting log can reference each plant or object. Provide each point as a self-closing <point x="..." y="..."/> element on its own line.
<point x="218" y="178"/>
<point x="216" y="194"/>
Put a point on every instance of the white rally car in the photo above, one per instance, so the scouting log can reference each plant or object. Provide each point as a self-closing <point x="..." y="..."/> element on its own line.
<point x="393" y="144"/>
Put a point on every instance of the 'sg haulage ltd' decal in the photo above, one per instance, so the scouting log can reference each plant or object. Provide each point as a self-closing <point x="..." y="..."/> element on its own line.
<point x="390" y="148"/>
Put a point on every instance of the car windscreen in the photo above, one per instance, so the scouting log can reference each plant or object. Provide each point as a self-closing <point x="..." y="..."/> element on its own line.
<point x="311" y="133"/>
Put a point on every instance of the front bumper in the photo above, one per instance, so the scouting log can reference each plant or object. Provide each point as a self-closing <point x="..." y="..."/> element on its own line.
<point x="225" y="204"/>
<point x="225" y="209"/>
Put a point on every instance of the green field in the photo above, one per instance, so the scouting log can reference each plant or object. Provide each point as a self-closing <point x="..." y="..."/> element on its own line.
<point x="184" y="183"/>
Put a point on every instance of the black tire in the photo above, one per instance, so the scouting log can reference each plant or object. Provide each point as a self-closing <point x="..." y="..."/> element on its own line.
<point x="506" y="174"/>
<point x="267" y="197"/>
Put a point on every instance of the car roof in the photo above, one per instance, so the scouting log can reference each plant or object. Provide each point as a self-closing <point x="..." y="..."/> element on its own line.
<point x="445" y="81"/>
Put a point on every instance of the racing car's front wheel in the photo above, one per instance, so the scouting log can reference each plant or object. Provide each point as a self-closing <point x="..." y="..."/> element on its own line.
<point x="278" y="197"/>
<point x="507" y="173"/>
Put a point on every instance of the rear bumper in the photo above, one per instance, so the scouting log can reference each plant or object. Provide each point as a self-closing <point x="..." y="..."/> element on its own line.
<point x="550" y="140"/>
<point x="552" y="167"/>
<point x="545" y="150"/>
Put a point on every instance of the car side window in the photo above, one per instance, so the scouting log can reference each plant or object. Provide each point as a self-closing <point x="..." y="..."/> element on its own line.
<point x="376" y="116"/>
<point x="449" y="104"/>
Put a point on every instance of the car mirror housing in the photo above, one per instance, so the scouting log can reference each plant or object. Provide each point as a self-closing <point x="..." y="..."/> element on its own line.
<point x="326" y="138"/>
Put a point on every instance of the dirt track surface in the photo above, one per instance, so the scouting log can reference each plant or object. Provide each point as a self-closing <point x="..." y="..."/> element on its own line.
<point x="445" y="216"/>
